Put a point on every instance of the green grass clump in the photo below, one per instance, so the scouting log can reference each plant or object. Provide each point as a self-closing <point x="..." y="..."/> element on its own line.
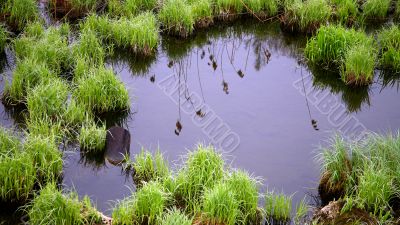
<point x="371" y="170"/>
<point x="50" y="48"/>
<point x="148" y="167"/>
<point x="331" y="43"/>
<point x="220" y="205"/>
<point x="100" y="91"/>
<point x="17" y="173"/>
<point x="278" y="206"/>
<point x="307" y="16"/>
<point x="345" y="10"/>
<point x="359" y="64"/>
<point x="245" y="191"/>
<point x="3" y="38"/>
<point x="375" y="9"/>
<point x="123" y="211"/>
<point x="89" y="48"/>
<point x="129" y="8"/>
<point x="301" y="212"/>
<point x="20" y="12"/>
<point x="228" y="7"/>
<point x="262" y="8"/>
<point x="47" y="100"/>
<point x="375" y="189"/>
<point x="139" y="33"/>
<point x="175" y="216"/>
<point x="177" y="18"/>
<point x="92" y="138"/>
<point x="46" y="157"/>
<point x="202" y="11"/>
<point x="150" y="202"/>
<point x="53" y="207"/>
<point x="75" y="114"/>
<point x="389" y="40"/>
<point x="28" y="74"/>
<point x="204" y="168"/>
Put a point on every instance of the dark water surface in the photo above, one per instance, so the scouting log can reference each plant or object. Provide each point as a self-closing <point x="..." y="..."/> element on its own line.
<point x="249" y="80"/>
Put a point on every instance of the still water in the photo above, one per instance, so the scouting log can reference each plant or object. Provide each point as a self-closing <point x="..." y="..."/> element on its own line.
<point x="249" y="80"/>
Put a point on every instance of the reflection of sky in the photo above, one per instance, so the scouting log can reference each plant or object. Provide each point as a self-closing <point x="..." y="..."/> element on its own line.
<point x="277" y="141"/>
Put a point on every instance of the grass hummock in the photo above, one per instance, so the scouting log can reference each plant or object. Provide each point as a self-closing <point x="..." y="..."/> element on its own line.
<point x="175" y="216"/>
<point x="306" y="16"/>
<point x="177" y="17"/>
<point x="139" y="33"/>
<point x="72" y="8"/>
<point x="3" y="38"/>
<point x="278" y="207"/>
<point x="375" y="9"/>
<point x="345" y="11"/>
<point x="92" y="137"/>
<point x="202" y="11"/>
<point x="389" y="40"/>
<point x="19" y="13"/>
<point x="51" y="206"/>
<point x="366" y="171"/>
<point x="262" y="9"/>
<point x="220" y="205"/>
<point x="100" y="91"/>
<point x="227" y="10"/>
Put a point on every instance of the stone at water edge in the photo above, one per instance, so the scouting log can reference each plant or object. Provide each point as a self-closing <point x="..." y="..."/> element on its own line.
<point x="118" y="141"/>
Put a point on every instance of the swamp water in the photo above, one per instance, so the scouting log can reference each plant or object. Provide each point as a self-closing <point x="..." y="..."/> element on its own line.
<point x="247" y="80"/>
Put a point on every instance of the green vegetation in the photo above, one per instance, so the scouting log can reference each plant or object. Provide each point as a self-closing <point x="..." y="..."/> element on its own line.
<point x="139" y="33"/>
<point x="18" y="13"/>
<point x="100" y="91"/>
<point x="175" y="216"/>
<point x="228" y="9"/>
<point x="202" y="12"/>
<point x="306" y="16"/>
<point x="366" y="171"/>
<point x="220" y="205"/>
<point x="91" y="137"/>
<point x="202" y="170"/>
<point x="389" y="40"/>
<point x="245" y="191"/>
<point x="345" y="10"/>
<point x="130" y="8"/>
<point x="262" y="8"/>
<point x="301" y="212"/>
<point x="351" y="50"/>
<point x="176" y="17"/>
<point x="47" y="100"/>
<point x="148" y="167"/>
<point x="27" y="75"/>
<point x="278" y="206"/>
<point x="359" y="64"/>
<point x="375" y="9"/>
<point x="53" y="207"/>
<point x="73" y="8"/>
<point x="89" y="48"/>
<point x="3" y="38"/>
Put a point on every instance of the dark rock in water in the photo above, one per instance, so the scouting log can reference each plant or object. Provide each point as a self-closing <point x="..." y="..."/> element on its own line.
<point x="118" y="142"/>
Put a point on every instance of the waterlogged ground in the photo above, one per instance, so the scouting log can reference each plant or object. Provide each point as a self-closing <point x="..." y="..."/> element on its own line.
<point x="244" y="88"/>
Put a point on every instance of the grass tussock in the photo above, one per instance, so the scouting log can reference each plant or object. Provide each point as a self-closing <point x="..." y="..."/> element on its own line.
<point x="278" y="207"/>
<point x="359" y="65"/>
<point x="19" y="13"/>
<point x="202" y="11"/>
<point x="47" y="100"/>
<point x="306" y="16"/>
<point x="149" y="167"/>
<point x="3" y="38"/>
<point x="228" y="9"/>
<point x="72" y="8"/>
<point x="375" y="9"/>
<point x="368" y="172"/>
<point x="389" y="40"/>
<point x="345" y="11"/>
<point x="262" y="8"/>
<point x="139" y="33"/>
<point x="129" y="8"/>
<point x="53" y="207"/>
<point x="92" y="137"/>
<point x="220" y="205"/>
<point x="175" y="216"/>
<point x="89" y="48"/>
<point x="100" y="91"/>
<point x="176" y="17"/>
<point x="351" y="50"/>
